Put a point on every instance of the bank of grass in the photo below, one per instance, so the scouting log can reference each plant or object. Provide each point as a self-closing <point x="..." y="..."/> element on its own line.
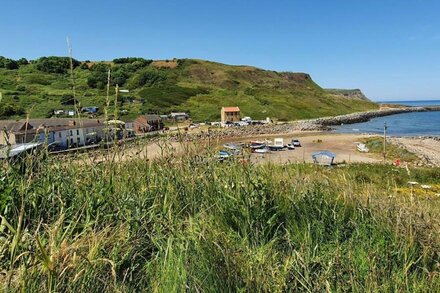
<point x="393" y="152"/>
<point x="193" y="224"/>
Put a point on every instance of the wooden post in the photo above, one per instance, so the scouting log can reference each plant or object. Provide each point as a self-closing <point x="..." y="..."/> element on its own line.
<point x="116" y="102"/>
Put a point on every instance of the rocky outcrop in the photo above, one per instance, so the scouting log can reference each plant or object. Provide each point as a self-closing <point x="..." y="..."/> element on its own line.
<point x="353" y="94"/>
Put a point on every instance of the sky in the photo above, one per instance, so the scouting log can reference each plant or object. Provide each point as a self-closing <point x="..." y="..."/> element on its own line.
<point x="388" y="48"/>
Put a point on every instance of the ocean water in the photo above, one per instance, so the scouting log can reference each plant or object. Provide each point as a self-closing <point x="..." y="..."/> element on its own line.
<point x="414" y="103"/>
<point x="405" y="124"/>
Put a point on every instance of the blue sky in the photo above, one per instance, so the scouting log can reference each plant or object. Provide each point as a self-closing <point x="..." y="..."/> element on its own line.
<point x="388" y="48"/>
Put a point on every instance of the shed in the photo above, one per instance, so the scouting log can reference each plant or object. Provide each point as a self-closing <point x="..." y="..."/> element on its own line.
<point x="324" y="158"/>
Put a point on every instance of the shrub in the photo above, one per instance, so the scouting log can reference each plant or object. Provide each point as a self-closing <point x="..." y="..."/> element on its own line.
<point x="147" y="77"/>
<point x="55" y="64"/>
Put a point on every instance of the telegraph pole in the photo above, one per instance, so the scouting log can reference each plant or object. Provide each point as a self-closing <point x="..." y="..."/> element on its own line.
<point x="385" y="127"/>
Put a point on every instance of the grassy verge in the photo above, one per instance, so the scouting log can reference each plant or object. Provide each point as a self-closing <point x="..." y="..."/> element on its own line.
<point x="193" y="224"/>
<point x="393" y="152"/>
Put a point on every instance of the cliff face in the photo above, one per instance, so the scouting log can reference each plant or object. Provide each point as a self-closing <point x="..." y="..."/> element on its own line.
<point x="353" y="94"/>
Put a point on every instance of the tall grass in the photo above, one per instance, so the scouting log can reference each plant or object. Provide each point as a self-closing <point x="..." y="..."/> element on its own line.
<point x="192" y="224"/>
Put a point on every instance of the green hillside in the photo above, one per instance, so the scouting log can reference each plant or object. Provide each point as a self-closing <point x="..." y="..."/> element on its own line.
<point x="199" y="87"/>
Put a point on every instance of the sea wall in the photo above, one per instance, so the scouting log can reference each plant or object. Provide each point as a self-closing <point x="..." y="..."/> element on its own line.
<point x="366" y="116"/>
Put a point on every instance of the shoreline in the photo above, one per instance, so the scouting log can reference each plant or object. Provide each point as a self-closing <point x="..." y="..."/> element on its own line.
<point x="322" y="124"/>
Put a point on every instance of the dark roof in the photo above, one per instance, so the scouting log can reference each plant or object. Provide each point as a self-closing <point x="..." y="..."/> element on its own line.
<point x="152" y="117"/>
<point x="52" y="124"/>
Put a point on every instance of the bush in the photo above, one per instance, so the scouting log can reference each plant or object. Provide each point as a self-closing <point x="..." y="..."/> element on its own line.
<point x="20" y="88"/>
<point x="9" y="109"/>
<point x="55" y="64"/>
<point x="8" y="63"/>
<point x="22" y="61"/>
<point x="67" y="100"/>
<point x="147" y="77"/>
<point x="132" y="60"/>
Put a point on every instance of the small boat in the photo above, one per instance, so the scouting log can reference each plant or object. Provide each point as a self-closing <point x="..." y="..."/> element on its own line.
<point x="223" y="155"/>
<point x="275" y="147"/>
<point x="257" y="145"/>
<point x="232" y="146"/>
<point x="278" y="145"/>
<point x="261" y="151"/>
<point x="290" y="146"/>
<point x="362" y="148"/>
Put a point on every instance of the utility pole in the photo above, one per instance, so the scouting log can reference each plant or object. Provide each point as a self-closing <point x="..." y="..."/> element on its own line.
<point x="385" y="127"/>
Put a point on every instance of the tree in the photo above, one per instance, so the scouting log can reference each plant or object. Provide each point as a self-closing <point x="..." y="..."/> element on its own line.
<point x="55" y="64"/>
<point x="147" y="77"/>
<point x="8" y="63"/>
<point x="98" y="76"/>
<point x="22" y="61"/>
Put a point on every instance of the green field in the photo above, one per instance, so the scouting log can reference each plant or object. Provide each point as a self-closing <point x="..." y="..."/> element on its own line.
<point x="192" y="224"/>
<point x="195" y="86"/>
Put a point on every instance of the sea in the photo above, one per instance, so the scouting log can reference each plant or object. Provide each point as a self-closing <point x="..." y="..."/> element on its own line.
<point x="404" y="124"/>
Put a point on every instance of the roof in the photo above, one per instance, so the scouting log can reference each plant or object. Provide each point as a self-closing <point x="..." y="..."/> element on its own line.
<point x="324" y="153"/>
<point x="231" y="109"/>
<point x="178" y="114"/>
<point x="17" y="149"/>
<point x="34" y="125"/>
<point x="152" y="117"/>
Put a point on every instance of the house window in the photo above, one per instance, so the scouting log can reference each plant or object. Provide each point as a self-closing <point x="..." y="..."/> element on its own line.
<point x="77" y="132"/>
<point x="71" y="132"/>
<point x="59" y="134"/>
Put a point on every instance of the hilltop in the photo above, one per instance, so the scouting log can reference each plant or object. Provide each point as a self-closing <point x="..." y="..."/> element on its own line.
<point x="196" y="86"/>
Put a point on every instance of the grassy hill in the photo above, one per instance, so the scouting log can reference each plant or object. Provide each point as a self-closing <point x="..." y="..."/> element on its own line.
<point x="195" y="86"/>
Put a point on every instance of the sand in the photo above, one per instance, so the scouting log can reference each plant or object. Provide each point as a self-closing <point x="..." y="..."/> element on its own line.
<point x="343" y="145"/>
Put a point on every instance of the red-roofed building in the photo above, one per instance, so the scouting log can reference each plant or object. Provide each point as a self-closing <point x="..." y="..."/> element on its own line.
<point x="231" y="114"/>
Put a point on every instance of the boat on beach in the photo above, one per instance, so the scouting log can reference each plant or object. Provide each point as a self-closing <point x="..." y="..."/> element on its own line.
<point x="361" y="147"/>
<point x="262" y="151"/>
<point x="277" y="145"/>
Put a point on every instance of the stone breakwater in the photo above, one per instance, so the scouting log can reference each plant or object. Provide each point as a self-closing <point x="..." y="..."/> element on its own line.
<point x="318" y="124"/>
<point x="366" y="116"/>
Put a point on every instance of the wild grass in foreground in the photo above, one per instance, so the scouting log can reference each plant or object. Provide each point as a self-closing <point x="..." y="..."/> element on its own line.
<point x="185" y="224"/>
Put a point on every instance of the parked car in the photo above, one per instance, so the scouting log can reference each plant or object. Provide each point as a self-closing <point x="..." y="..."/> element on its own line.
<point x="296" y="143"/>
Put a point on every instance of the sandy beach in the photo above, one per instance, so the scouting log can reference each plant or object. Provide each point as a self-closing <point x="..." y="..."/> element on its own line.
<point x="343" y="145"/>
<point x="427" y="149"/>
